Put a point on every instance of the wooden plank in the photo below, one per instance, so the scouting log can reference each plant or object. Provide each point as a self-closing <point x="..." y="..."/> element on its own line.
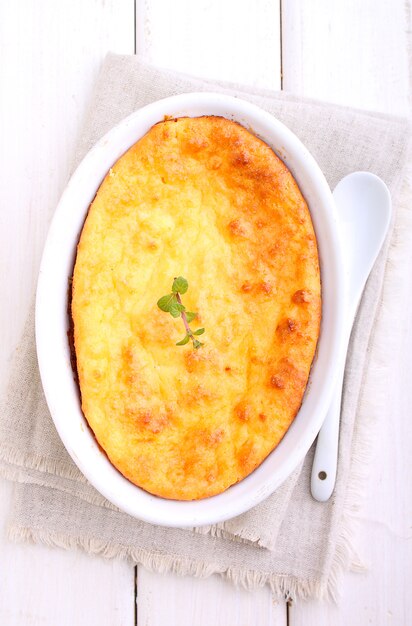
<point x="355" y="53"/>
<point x="235" y="40"/>
<point x="177" y="601"/>
<point x="51" y="54"/>
<point x="351" y="53"/>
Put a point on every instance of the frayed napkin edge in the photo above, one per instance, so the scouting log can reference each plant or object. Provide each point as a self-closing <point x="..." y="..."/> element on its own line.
<point x="283" y="587"/>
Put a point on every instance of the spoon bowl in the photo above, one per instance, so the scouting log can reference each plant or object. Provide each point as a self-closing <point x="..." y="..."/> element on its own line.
<point x="364" y="210"/>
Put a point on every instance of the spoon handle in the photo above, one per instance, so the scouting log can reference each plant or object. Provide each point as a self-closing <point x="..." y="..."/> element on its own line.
<point x="325" y="461"/>
<point x="326" y="453"/>
<point x="363" y="204"/>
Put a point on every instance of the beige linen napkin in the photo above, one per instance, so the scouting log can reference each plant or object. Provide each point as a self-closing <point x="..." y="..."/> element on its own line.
<point x="295" y="544"/>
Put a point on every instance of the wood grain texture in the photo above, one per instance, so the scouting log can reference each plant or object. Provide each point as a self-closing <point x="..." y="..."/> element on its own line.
<point x="51" y="53"/>
<point x="172" y="600"/>
<point x="234" y="40"/>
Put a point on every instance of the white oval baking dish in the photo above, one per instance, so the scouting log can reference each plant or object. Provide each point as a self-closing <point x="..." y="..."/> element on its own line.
<point x="52" y="321"/>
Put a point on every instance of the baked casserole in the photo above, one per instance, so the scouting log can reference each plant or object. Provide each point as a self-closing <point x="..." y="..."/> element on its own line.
<point x="202" y="198"/>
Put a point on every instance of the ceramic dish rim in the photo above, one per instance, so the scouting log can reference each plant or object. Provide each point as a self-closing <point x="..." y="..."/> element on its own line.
<point x="52" y="321"/>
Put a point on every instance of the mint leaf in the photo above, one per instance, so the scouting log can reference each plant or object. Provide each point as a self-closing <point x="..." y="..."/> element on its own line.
<point x="180" y="285"/>
<point x="166" y="302"/>
<point x="199" y="331"/>
<point x="184" y="341"/>
<point x="197" y="344"/>
<point x="174" y="309"/>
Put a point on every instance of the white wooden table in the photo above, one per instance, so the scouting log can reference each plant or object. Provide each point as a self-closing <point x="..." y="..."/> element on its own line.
<point x="348" y="51"/>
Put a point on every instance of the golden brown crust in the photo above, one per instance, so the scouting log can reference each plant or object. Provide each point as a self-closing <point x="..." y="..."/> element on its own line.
<point x="205" y="199"/>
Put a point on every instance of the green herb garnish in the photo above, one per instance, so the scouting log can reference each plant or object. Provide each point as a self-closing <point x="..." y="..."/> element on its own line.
<point x="172" y="303"/>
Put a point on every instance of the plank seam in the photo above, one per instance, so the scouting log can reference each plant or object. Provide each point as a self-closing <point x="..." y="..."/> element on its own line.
<point x="281" y="43"/>
<point x="135" y="596"/>
<point x="135" y="28"/>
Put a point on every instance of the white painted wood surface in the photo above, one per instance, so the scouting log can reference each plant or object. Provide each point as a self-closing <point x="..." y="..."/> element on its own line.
<point x="350" y="52"/>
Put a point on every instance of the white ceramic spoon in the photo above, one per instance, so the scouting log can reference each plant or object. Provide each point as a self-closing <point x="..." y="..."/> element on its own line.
<point x="364" y="208"/>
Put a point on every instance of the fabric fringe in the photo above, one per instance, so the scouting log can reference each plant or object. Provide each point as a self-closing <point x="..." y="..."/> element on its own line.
<point x="282" y="587"/>
<point x="220" y="532"/>
<point x="18" y="475"/>
<point x="28" y="460"/>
